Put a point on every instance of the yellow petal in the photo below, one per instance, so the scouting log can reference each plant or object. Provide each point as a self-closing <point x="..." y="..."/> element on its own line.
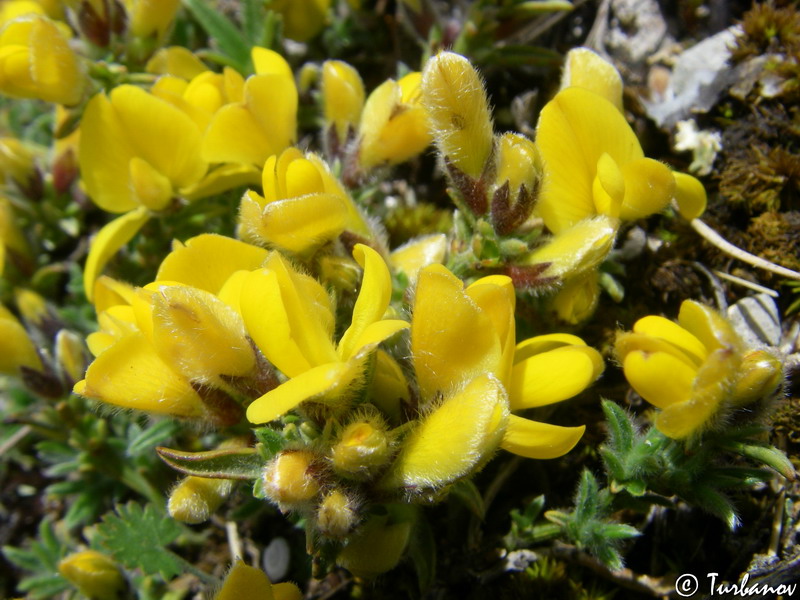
<point x="419" y="252"/>
<point x="375" y="333"/>
<point x="245" y="582"/>
<point x="495" y="296"/>
<point x="690" y="196"/>
<point x="207" y="260"/>
<point x="659" y="378"/>
<point x="131" y="375"/>
<point x="177" y="61"/>
<point x="286" y="591"/>
<point x="373" y="298"/>
<point x="298" y="225"/>
<point x="712" y="329"/>
<point x="285" y="319"/>
<point x="608" y="187"/>
<point x="544" y="343"/>
<point x="342" y="96"/>
<point x="452" y="340"/>
<point x="222" y="179"/>
<point x="54" y="67"/>
<point x="532" y="439"/>
<point x="674" y="334"/>
<point x="151" y="188"/>
<point x="269" y="62"/>
<point x="161" y="134"/>
<point x="323" y="383"/>
<point x="586" y="69"/>
<point x="108" y="241"/>
<point x="199" y="335"/>
<point x="577" y="299"/>
<point x="104" y="156"/>
<point x="576" y="249"/>
<point x="110" y="292"/>
<point x="649" y="186"/>
<point x="575" y="129"/>
<point x="628" y="342"/>
<point x="453" y="439"/>
<point x="553" y="376"/>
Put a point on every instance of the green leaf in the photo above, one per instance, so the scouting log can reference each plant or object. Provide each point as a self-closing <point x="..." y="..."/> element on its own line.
<point x="253" y="21"/>
<point x="620" y="429"/>
<point x="768" y="455"/>
<point x="272" y="440"/>
<point x="42" y="587"/>
<point x="228" y="38"/>
<point x="151" y="437"/>
<point x="467" y="492"/>
<point x="136" y="538"/>
<point x="224" y="463"/>
<point x="24" y="559"/>
<point x="422" y="550"/>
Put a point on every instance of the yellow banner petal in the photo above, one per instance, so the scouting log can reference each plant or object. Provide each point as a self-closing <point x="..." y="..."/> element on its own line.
<point x="673" y="333"/>
<point x="206" y="261"/>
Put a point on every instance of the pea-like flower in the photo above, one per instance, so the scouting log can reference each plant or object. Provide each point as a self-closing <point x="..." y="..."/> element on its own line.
<point x="695" y="370"/>
<point x="468" y="390"/>
<point x="93" y="573"/>
<point x="243" y="581"/>
<point x="303" y="207"/>
<point x="290" y="317"/>
<point x="36" y="61"/>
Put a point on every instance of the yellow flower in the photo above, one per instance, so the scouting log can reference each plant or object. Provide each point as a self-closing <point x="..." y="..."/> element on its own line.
<point x="693" y="369"/>
<point x="94" y="574"/>
<point x="263" y="123"/>
<point x="342" y="98"/>
<point x="470" y="376"/>
<point x="37" y="62"/>
<point x="302" y="19"/>
<point x="593" y="162"/>
<point x="253" y="584"/>
<point x="176" y="61"/>
<point x="151" y="18"/>
<point x="137" y="152"/>
<point x="458" y="111"/>
<point x="290" y="317"/>
<point x="304" y="206"/>
<point x="152" y="349"/>
<point x="394" y="124"/>
<point x="16" y="163"/>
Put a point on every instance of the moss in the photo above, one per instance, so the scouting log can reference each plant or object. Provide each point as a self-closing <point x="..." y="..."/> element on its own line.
<point x="775" y="236"/>
<point x="768" y="29"/>
<point x="408" y="222"/>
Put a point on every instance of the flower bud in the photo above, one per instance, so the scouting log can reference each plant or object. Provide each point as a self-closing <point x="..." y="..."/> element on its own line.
<point x="458" y="111"/>
<point x="70" y="355"/>
<point x="16" y="348"/>
<point x="760" y="375"/>
<point x="195" y="498"/>
<point x="94" y="574"/>
<point x="16" y="162"/>
<point x="376" y="547"/>
<point x="336" y="515"/>
<point x="577" y="299"/>
<point x="363" y="448"/>
<point x="289" y="480"/>
<point x="342" y="97"/>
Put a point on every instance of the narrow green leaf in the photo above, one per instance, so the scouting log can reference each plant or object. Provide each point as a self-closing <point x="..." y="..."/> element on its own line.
<point x="619" y="531"/>
<point x="224" y="463"/>
<point x="253" y="21"/>
<point x="467" y="492"/>
<point x="586" y="500"/>
<point x="620" y="429"/>
<point x="422" y="550"/>
<point x="152" y="436"/>
<point x="228" y="38"/>
<point x="43" y="586"/>
<point x="24" y="559"/>
<point x="768" y="455"/>
<point x="272" y="440"/>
